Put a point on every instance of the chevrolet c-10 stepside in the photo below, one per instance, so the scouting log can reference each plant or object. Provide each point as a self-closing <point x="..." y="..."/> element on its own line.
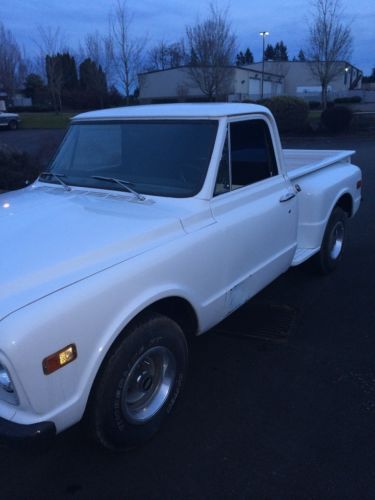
<point x="152" y="224"/>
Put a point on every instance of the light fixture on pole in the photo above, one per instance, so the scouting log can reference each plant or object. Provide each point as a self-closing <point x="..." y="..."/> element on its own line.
<point x="263" y="34"/>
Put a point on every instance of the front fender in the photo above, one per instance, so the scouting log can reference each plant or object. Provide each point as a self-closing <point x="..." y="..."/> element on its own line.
<point x="91" y="314"/>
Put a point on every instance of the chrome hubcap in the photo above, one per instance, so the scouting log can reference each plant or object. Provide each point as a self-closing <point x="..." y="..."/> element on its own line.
<point x="337" y="240"/>
<point x="148" y="384"/>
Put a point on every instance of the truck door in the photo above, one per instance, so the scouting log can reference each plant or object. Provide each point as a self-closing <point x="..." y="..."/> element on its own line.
<point x="256" y="210"/>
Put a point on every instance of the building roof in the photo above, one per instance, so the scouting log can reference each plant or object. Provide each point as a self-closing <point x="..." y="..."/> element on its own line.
<point x="173" y="111"/>
<point x="186" y="67"/>
<point x="271" y="61"/>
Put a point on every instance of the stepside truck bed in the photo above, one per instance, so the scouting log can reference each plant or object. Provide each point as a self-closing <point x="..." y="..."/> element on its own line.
<point x="300" y="162"/>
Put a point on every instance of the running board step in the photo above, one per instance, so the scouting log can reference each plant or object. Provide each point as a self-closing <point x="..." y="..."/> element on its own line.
<point x="303" y="254"/>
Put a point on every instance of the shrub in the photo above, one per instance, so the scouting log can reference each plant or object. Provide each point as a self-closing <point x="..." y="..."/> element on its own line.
<point x="314" y="105"/>
<point x="348" y="100"/>
<point x="337" y="119"/>
<point x="291" y="113"/>
<point x="16" y="169"/>
<point x="29" y="109"/>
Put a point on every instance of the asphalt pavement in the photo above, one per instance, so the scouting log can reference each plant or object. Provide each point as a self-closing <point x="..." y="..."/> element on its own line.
<point x="279" y="403"/>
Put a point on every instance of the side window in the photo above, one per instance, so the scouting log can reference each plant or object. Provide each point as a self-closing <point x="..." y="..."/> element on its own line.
<point x="251" y="152"/>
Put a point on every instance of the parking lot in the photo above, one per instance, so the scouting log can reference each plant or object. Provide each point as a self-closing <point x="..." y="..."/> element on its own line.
<point x="280" y="400"/>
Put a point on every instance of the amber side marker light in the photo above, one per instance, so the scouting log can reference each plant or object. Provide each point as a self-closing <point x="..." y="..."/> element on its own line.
<point x="59" y="359"/>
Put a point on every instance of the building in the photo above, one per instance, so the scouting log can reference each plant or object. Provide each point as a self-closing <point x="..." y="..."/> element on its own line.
<point x="18" y="99"/>
<point x="300" y="81"/>
<point x="177" y="84"/>
<point x="293" y="78"/>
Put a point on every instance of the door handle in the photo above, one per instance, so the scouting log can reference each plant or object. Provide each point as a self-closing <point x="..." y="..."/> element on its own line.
<point x="287" y="197"/>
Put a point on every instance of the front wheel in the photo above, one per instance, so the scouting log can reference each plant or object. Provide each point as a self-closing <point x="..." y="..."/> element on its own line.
<point x="13" y="125"/>
<point x="138" y="383"/>
<point x="333" y="242"/>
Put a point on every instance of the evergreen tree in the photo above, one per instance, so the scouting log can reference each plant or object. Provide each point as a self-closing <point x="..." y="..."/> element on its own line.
<point x="269" y="53"/>
<point x="91" y="76"/>
<point x="281" y="52"/>
<point x="33" y="81"/>
<point x="62" y="79"/>
<point x="249" y="58"/>
<point x="301" y="55"/>
<point x="244" y="58"/>
<point x="93" y="83"/>
<point x="54" y="80"/>
<point x="240" y="59"/>
<point x="35" y="89"/>
<point x="69" y="71"/>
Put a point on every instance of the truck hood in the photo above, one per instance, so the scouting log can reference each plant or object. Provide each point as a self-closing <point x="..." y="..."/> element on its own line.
<point x="51" y="238"/>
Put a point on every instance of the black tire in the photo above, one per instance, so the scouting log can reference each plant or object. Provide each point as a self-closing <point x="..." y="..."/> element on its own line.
<point x="333" y="243"/>
<point x="13" y="125"/>
<point x="138" y="383"/>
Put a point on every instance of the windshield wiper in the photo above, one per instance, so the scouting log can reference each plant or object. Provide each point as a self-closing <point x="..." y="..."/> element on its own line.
<point x="58" y="178"/>
<point x="124" y="184"/>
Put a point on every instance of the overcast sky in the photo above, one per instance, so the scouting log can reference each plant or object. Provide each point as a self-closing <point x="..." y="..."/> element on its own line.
<point x="166" y="19"/>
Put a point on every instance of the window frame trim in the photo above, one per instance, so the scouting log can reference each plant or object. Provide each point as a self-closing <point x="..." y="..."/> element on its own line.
<point x="242" y="118"/>
<point x="229" y="156"/>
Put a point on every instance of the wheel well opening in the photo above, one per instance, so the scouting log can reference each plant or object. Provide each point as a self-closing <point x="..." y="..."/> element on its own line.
<point x="346" y="203"/>
<point x="180" y="310"/>
<point x="176" y="308"/>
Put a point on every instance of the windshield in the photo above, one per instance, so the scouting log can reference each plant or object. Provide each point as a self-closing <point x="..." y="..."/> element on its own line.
<point x="161" y="158"/>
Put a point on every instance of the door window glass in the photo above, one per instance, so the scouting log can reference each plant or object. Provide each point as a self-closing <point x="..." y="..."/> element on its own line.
<point x="251" y="151"/>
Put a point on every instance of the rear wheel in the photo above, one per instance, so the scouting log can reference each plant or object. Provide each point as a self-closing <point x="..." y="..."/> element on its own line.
<point x="138" y="383"/>
<point x="333" y="242"/>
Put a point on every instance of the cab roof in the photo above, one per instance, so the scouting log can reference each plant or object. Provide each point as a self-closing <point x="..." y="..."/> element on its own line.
<point x="173" y="111"/>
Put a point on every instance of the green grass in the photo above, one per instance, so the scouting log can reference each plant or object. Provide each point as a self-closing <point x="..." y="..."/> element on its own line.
<point x="45" y="120"/>
<point x="315" y="114"/>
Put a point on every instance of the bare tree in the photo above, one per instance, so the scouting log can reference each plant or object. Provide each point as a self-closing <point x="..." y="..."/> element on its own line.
<point x="99" y="49"/>
<point x="330" y="42"/>
<point x="127" y="49"/>
<point x="164" y="56"/>
<point x="158" y="56"/>
<point x="12" y="66"/>
<point x="49" y="43"/>
<point x="212" y="47"/>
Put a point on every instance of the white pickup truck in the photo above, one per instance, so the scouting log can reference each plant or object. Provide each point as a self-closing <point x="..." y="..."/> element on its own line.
<point x="152" y="224"/>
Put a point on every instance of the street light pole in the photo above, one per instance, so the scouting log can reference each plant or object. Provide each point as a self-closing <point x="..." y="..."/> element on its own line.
<point x="263" y="34"/>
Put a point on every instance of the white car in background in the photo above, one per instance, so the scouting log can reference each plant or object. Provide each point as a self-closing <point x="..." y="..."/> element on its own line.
<point x="9" y="120"/>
